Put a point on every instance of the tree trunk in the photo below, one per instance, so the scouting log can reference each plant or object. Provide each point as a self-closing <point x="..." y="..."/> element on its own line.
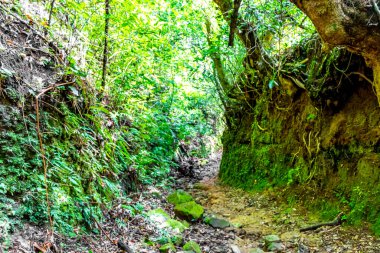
<point x="105" y="49"/>
<point x="354" y="24"/>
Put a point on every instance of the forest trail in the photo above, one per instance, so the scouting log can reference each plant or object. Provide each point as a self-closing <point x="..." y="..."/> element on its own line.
<point x="260" y="214"/>
<point x="251" y="218"/>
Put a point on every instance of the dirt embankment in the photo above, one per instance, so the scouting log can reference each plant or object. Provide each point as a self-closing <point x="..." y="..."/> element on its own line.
<point x="318" y="132"/>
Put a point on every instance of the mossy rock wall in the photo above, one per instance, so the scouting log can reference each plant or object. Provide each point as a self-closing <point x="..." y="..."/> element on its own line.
<point x="329" y="145"/>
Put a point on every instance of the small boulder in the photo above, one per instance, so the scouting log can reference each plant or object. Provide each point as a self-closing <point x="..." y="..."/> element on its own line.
<point x="216" y="222"/>
<point x="162" y="220"/>
<point x="189" y="211"/>
<point x="179" y="197"/>
<point x="192" y="246"/>
<point x="158" y="215"/>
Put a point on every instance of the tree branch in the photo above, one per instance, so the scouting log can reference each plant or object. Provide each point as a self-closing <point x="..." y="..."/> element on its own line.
<point x="218" y="63"/>
<point x="233" y="23"/>
<point x="248" y="36"/>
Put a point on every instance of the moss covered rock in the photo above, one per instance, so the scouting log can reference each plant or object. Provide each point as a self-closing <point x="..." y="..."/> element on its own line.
<point x="179" y="197"/>
<point x="189" y="211"/>
<point x="216" y="222"/>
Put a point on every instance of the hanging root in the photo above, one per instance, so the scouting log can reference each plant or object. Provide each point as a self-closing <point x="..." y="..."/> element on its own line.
<point x="376" y="79"/>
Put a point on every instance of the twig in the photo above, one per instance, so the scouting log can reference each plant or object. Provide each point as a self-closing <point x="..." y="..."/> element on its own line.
<point x="109" y="238"/>
<point x="362" y="76"/>
<point x="42" y="150"/>
<point x="337" y="221"/>
<point x="260" y="128"/>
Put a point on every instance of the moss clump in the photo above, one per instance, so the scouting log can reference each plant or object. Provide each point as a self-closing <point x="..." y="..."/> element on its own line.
<point x="179" y="197"/>
<point x="192" y="246"/>
<point x="167" y="247"/>
<point x="189" y="211"/>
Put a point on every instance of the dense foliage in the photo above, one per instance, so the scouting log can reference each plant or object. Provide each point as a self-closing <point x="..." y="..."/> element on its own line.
<point x="101" y="143"/>
<point x="132" y="98"/>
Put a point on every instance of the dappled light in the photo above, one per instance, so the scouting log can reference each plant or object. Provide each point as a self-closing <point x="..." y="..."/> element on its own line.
<point x="221" y="126"/>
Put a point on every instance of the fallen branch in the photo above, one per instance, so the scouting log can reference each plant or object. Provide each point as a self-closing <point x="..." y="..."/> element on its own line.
<point x="337" y="221"/>
<point x="119" y="243"/>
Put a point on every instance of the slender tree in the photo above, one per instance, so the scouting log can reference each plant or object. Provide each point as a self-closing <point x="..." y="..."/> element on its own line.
<point x="105" y="49"/>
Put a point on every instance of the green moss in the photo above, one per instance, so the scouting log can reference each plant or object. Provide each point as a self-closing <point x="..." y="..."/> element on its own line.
<point x="167" y="248"/>
<point x="179" y="197"/>
<point x="192" y="246"/>
<point x="176" y="239"/>
<point x="190" y="211"/>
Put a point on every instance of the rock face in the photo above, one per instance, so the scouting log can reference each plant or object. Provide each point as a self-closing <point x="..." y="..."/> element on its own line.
<point x="330" y="137"/>
<point x="354" y="24"/>
<point x="322" y="122"/>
